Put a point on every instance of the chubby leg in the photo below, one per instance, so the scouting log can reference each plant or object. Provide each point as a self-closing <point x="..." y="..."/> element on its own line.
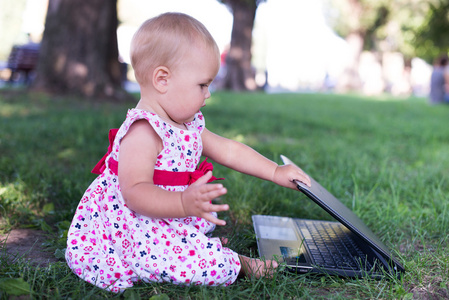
<point x="256" y="267"/>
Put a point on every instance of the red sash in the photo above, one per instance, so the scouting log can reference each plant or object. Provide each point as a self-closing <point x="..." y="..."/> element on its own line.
<point x="160" y="177"/>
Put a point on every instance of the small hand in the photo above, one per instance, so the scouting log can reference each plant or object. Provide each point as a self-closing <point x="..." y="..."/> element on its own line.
<point x="196" y="199"/>
<point x="286" y="174"/>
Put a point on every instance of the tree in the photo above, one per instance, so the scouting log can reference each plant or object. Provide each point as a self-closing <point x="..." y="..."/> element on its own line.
<point x="79" y="51"/>
<point x="431" y="37"/>
<point x="358" y="22"/>
<point x="412" y="27"/>
<point x="240" y="75"/>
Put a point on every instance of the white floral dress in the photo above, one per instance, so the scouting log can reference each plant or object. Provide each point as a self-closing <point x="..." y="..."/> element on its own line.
<point x="111" y="246"/>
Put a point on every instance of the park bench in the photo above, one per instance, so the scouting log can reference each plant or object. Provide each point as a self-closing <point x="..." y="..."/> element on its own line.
<point x="23" y="59"/>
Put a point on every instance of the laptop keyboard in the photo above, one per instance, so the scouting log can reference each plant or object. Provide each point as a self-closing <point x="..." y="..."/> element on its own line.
<point x="332" y="247"/>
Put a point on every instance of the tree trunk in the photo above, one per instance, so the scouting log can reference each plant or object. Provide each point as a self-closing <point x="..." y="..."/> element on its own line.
<point x="240" y="75"/>
<point x="79" y="51"/>
<point x="350" y="79"/>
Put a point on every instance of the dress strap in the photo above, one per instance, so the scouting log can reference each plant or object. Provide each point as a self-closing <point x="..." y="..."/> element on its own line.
<point x="160" y="177"/>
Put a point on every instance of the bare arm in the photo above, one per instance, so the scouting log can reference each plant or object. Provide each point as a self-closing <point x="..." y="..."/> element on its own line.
<point x="138" y="152"/>
<point x="244" y="159"/>
<point x="446" y="81"/>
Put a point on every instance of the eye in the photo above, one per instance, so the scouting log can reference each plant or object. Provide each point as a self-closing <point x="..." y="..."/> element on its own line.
<point x="204" y="85"/>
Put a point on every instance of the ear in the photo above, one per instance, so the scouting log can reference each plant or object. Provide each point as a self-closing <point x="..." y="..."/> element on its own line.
<point x="160" y="78"/>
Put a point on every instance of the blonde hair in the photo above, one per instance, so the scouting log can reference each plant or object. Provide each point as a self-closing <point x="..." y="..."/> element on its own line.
<point x="163" y="41"/>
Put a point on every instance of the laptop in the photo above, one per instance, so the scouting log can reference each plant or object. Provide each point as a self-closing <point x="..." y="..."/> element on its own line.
<point x="345" y="247"/>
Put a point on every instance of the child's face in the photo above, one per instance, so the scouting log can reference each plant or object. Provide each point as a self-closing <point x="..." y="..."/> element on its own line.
<point x="190" y="81"/>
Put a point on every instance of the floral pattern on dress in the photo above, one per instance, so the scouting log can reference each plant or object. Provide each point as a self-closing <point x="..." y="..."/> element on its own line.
<point x="113" y="247"/>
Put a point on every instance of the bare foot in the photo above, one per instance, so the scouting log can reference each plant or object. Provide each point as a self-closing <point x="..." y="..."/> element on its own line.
<point x="256" y="267"/>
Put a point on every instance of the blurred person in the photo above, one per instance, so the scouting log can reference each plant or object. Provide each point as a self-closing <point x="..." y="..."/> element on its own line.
<point x="439" y="81"/>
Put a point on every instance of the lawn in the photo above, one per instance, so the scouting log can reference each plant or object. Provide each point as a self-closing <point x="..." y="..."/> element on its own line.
<point x="386" y="158"/>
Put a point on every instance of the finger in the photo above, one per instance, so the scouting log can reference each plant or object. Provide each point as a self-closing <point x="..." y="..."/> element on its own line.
<point x="210" y="193"/>
<point x="300" y="175"/>
<point x="211" y="218"/>
<point x="305" y="179"/>
<point x="218" y="208"/>
<point x="203" y="179"/>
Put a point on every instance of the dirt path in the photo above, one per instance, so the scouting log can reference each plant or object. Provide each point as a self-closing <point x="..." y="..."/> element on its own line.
<point x="26" y="243"/>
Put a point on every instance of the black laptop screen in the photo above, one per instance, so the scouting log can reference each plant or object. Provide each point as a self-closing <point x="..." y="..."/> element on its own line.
<point x="341" y="213"/>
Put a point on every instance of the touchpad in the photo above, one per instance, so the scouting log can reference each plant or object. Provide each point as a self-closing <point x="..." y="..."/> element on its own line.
<point x="277" y="233"/>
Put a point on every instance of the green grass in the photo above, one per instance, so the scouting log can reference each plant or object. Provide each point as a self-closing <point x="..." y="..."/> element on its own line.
<point x="386" y="158"/>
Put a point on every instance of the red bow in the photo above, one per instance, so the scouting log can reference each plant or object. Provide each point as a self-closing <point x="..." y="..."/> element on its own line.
<point x="100" y="166"/>
<point x="202" y="169"/>
<point x="160" y="177"/>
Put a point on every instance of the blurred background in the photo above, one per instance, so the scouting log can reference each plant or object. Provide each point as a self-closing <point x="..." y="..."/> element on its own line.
<point x="367" y="46"/>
